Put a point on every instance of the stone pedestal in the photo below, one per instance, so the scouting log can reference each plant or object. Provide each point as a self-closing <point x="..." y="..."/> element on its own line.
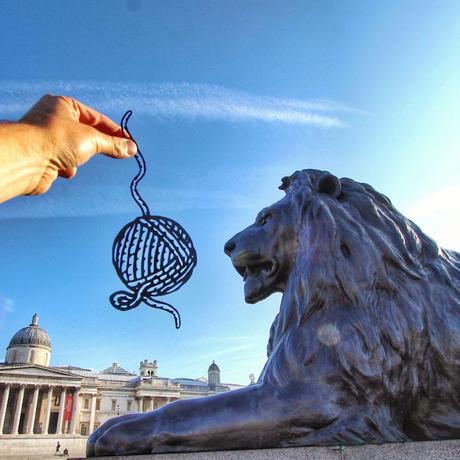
<point x="430" y="450"/>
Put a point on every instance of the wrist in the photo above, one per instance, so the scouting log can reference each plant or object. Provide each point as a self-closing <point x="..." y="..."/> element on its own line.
<point x="37" y="164"/>
<point x="23" y="157"/>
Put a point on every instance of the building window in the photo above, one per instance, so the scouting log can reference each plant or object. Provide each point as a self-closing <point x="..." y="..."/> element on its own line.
<point x="86" y="403"/>
<point x="114" y="404"/>
<point x="56" y="400"/>
<point x="32" y="356"/>
<point x="98" y="404"/>
<point x="128" y="405"/>
<point x="84" y="429"/>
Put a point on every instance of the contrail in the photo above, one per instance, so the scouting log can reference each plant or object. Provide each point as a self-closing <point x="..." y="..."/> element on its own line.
<point x="175" y="101"/>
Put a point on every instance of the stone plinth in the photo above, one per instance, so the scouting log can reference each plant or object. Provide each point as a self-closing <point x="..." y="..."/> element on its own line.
<point x="430" y="450"/>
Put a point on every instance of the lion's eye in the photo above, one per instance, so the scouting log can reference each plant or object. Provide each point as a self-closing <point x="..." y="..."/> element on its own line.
<point x="264" y="219"/>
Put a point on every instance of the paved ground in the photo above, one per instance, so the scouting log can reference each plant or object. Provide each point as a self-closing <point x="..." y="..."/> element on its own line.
<point x="41" y="456"/>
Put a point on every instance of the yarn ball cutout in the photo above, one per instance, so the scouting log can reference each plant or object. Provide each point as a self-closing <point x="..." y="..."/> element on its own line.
<point x="152" y="255"/>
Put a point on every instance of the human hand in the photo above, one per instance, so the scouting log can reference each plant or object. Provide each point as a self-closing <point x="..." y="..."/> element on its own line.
<point x="71" y="133"/>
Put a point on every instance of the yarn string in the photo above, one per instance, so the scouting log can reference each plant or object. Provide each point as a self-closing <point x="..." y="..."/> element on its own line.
<point x="166" y="307"/>
<point x="140" y="162"/>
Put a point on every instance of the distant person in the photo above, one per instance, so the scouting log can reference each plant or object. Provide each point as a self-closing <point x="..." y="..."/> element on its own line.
<point x="52" y="139"/>
<point x="66" y="452"/>
<point x="58" y="447"/>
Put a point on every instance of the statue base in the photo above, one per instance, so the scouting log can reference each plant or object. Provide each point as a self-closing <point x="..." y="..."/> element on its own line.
<point x="427" y="450"/>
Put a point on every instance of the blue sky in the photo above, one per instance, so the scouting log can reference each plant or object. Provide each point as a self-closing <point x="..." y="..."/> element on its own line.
<point x="228" y="97"/>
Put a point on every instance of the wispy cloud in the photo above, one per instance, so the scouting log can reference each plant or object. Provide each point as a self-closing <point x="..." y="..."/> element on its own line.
<point x="6" y="304"/>
<point x="223" y="352"/>
<point x="228" y="350"/>
<point x="177" y="101"/>
<point x="214" y="341"/>
<point x="90" y="202"/>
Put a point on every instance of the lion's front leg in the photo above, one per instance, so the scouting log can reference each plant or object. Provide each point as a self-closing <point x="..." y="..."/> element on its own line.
<point x="259" y="416"/>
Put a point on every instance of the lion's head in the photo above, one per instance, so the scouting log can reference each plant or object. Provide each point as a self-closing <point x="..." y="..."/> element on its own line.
<point x="337" y="241"/>
<point x="263" y="253"/>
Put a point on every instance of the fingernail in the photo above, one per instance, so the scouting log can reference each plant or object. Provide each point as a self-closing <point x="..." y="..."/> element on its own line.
<point x="131" y="148"/>
<point x="126" y="147"/>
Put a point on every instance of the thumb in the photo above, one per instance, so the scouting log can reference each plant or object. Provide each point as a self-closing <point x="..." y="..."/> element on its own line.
<point x="116" y="147"/>
<point x="67" y="173"/>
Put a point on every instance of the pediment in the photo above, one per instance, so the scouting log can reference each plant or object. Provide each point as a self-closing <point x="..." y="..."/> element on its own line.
<point x="30" y="370"/>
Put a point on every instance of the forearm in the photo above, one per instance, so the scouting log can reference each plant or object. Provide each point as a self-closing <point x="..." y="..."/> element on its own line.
<point x="22" y="162"/>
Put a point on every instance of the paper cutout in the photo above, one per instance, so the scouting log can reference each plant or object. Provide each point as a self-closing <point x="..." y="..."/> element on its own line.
<point x="153" y="255"/>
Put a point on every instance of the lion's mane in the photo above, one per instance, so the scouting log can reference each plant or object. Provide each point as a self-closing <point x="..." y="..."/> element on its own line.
<point x="393" y="294"/>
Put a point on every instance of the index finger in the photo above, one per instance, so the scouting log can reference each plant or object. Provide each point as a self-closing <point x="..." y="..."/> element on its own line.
<point x="95" y="119"/>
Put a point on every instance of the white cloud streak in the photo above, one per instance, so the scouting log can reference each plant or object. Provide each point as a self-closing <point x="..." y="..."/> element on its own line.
<point x="6" y="304"/>
<point x="90" y="201"/>
<point x="176" y="101"/>
<point x="215" y="341"/>
<point x="236" y="351"/>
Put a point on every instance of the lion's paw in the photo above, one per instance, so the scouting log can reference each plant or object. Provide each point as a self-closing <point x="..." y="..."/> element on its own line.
<point x="114" y="436"/>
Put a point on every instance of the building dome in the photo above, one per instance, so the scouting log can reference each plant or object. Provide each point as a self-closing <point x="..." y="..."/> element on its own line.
<point x="31" y="344"/>
<point x="213" y="367"/>
<point x="31" y="335"/>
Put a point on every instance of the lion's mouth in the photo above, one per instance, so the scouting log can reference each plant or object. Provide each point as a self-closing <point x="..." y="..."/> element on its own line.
<point x="265" y="268"/>
<point x="257" y="276"/>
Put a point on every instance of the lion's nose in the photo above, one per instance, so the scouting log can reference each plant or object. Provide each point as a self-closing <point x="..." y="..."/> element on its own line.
<point x="229" y="246"/>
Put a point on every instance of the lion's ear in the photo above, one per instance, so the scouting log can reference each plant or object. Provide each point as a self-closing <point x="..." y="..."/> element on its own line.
<point x="330" y="184"/>
<point x="284" y="183"/>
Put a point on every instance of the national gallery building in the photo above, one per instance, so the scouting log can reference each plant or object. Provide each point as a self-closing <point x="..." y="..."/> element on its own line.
<point x="42" y="401"/>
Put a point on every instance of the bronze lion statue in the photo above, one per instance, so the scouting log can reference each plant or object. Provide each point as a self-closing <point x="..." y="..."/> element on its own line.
<point x="366" y="345"/>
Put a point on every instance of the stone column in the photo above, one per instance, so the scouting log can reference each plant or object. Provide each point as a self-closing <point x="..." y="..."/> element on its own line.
<point x="92" y="417"/>
<point x="46" y="422"/>
<point x="6" y="394"/>
<point x="150" y="404"/>
<point x="75" y="410"/>
<point x="60" y="421"/>
<point x="17" y="413"/>
<point x="140" y="402"/>
<point x="33" y="410"/>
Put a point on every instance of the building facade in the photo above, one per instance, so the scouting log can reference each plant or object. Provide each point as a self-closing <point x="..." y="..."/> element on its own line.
<point x="39" y="400"/>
